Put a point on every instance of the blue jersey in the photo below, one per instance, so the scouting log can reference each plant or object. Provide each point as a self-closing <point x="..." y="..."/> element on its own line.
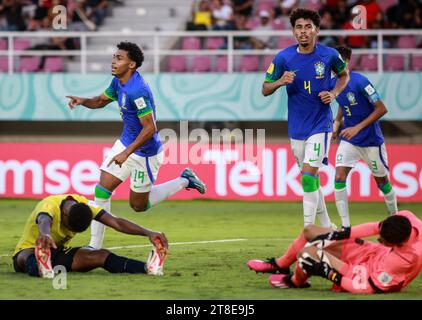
<point x="307" y="114"/>
<point x="135" y="101"/>
<point x="357" y="103"/>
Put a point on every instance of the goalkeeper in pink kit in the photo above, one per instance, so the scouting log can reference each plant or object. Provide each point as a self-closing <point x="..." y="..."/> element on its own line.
<point x="352" y="264"/>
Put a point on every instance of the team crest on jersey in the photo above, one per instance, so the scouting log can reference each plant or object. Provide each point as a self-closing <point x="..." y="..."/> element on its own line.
<point x="320" y="70"/>
<point x="351" y="97"/>
<point x="385" y="278"/>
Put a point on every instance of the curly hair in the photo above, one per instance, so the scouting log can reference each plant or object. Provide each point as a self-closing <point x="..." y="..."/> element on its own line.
<point x="133" y="52"/>
<point x="305" y="14"/>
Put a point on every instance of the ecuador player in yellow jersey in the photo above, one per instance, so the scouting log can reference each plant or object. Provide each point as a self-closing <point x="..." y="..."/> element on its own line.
<point x="57" y="219"/>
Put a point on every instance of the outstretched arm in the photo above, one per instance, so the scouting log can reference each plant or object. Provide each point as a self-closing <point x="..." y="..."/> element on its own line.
<point x="92" y="103"/>
<point x="128" y="227"/>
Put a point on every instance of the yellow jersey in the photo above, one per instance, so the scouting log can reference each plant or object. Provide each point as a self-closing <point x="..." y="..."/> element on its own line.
<point x="60" y="234"/>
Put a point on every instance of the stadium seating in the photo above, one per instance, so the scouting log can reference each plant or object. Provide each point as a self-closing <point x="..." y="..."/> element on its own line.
<point x="385" y="4"/>
<point x="21" y="44"/>
<point x="249" y="64"/>
<point x="416" y="63"/>
<point x="3" y="44"/>
<point x="285" y="42"/>
<point x="53" y="64"/>
<point x="4" y="66"/>
<point x="213" y="43"/>
<point x="191" y="43"/>
<point x="264" y="5"/>
<point x="394" y="63"/>
<point x="222" y="64"/>
<point x="369" y="62"/>
<point x="407" y="42"/>
<point x="201" y="64"/>
<point x="177" y="64"/>
<point x="29" y="64"/>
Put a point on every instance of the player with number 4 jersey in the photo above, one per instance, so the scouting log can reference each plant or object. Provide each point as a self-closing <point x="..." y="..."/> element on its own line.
<point x="361" y="138"/>
<point x="305" y="69"/>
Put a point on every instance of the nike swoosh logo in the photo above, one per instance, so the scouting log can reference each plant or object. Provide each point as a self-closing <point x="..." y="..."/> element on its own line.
<point x="137" y="186"/>
<point x="312" y="160"/>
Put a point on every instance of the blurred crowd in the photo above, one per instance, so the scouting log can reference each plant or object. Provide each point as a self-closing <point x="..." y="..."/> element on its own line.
<point x="244" y="15"/>
<point x="38" y="15"/>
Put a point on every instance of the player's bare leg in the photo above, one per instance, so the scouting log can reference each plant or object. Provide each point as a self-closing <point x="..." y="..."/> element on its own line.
<point x="340" y="192"/>
<point x="389" y="195"/>
<point x="103" y="191"/>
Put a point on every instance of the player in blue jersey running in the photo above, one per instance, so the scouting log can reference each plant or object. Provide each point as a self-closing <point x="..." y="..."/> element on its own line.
<point x="361" y="107"/>
<point x="138" y="152"/>
<point x="305" y="70"/>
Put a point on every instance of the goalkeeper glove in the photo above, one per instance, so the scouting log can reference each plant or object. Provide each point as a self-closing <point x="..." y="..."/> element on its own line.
<point x="343" y="233"/>
<point x="321" y="268"/>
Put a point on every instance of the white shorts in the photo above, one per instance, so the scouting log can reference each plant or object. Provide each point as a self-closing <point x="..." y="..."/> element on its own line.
<point x="375" y="157"/>
<point x="142" y="170"/>
<point x="313" y="150"/>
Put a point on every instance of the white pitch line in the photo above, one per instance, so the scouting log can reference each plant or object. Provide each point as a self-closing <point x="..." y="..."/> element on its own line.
<point x="190" y="242"/>
<point x="179" y="243"/>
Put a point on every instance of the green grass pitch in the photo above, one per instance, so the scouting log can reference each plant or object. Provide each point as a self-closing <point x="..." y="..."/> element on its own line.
<point x="214" y="270"/>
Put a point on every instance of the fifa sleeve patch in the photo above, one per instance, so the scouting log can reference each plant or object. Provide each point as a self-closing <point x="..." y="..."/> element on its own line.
<point x="385" y="279"/>
<point x="140" y="103"/>
<point x="369" y="89"/>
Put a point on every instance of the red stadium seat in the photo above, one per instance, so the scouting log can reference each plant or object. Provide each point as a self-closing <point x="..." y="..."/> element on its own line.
<point x="416" y="64"/>
<point x="312" y="4"/>
<point x="29" y="64"/>
<point x="385" y="4"/>
<point x="252" y="23"/>
<point x="407" y="42"/>
<point x="278" y="24"/>
<point x="54" y="64"/>
<point x="222" y="64"/>
<point x="201" y="64"/>
<point x="267" y="5"/>
<point x="249" y="63"/>
<point x="177" y="64"/>
<point x="394" y="63"/>
<point x="4" y="65"/>
<point x="369" y="62"/>
<point x="21" y="44"/>
<point x="214" y="43"/>
<point x="285" y="42"/>
<point x="191" y="43"/>
<point x="3" y="44"/>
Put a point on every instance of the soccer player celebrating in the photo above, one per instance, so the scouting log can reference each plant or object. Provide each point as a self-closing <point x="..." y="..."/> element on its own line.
<point x="56" y="220"/>
<point x="361" y="107"/>
<point x="352" y="264"/>
<point x="305" y="70"/>
<point x="138" y="153"/>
